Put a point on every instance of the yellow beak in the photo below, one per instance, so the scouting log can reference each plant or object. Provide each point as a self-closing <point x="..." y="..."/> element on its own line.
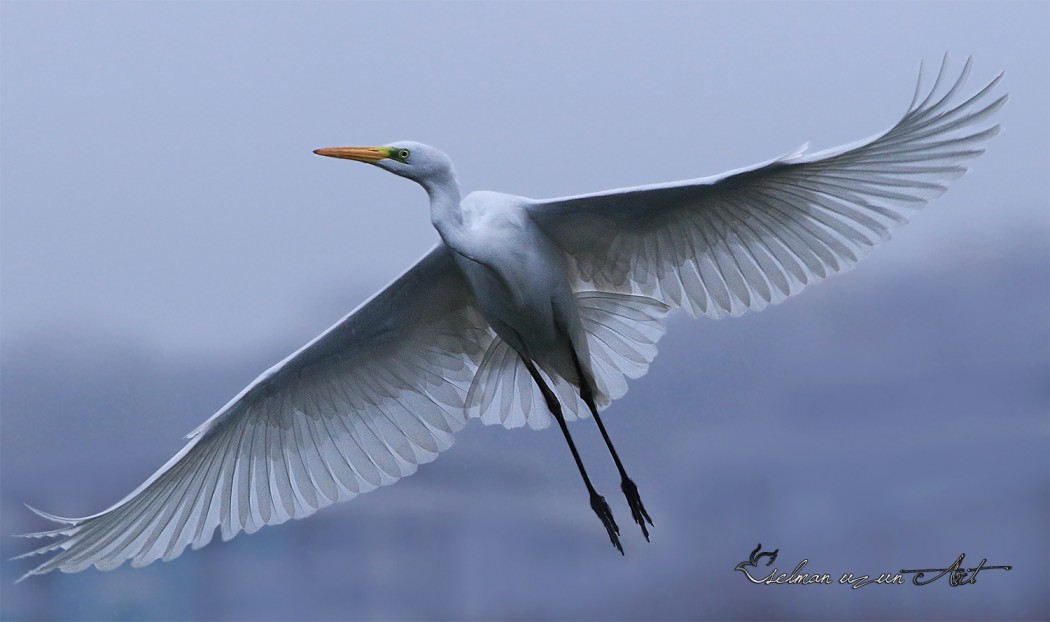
<point x="370" y="155"/>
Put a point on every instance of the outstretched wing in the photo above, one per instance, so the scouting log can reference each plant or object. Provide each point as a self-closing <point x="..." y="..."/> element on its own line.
<point x="359" y="407"/>
<point x="725" y="244"/>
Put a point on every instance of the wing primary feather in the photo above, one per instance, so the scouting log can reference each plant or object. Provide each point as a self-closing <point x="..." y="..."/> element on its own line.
<point x="929" y="109"/>
<point x="301" y="483"/>
<point x="262" y="500"/>
<point x="936" y="83"/>
<point x="758" y="282"/>
<point x="918" y="87"/>
<point x="348" y="477"/>
<point x="321" y="473"/>
<point x="765" y="258"/>
<point x="286" y="503"/>
<point x="793" y="264"/>
<point x="785" y="218"/>
<point x="206" y="527"/>
<point x="364" y="466"/>
<point x="712" y="277"/>
<point x="190" y="505"/>
<point x="230" y="508"/>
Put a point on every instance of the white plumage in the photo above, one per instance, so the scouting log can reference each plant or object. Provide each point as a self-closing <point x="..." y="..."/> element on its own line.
<point x="513" y="281"/>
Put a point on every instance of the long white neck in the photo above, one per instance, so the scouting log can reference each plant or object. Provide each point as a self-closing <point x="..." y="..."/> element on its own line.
<point x="446" y="213"/>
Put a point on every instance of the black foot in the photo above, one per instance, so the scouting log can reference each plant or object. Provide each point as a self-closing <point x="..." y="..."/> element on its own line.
<point x="601" y="508"/>
<point x="637" y="509"/>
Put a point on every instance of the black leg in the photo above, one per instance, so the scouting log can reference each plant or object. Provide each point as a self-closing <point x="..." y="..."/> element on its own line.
<point x="598" y="504"/>
<point x="630" y="491"/>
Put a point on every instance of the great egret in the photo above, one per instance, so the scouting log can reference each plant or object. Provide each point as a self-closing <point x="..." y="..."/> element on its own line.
<point x="525" y="309"/>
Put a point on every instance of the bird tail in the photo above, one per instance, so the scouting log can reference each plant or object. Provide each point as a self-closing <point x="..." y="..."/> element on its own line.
<point x="621" y="331"/>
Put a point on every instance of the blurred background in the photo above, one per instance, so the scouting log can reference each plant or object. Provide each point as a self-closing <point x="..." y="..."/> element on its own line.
<point x="167" y="235"/>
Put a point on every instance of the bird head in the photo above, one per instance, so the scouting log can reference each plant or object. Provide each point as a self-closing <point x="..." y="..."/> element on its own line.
<point x="416" y="161"/>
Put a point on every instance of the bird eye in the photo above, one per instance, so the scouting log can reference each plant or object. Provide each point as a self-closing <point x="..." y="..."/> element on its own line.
<point x="403" y="155"/>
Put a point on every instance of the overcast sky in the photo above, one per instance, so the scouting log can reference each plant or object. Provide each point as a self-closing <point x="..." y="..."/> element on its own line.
<point x="159" y="185"/>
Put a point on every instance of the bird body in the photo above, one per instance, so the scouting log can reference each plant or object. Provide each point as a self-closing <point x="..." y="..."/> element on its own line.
<point x="520" y="280"/>
<point x="526" y="312"/>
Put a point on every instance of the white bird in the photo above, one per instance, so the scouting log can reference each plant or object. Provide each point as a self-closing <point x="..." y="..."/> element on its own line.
<point x="525" y="309"/>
